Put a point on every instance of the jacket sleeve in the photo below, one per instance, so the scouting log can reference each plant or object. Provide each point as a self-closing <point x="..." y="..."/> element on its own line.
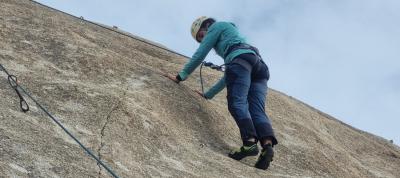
<point x="206" y="45"/>
<point x="214" y="90"/>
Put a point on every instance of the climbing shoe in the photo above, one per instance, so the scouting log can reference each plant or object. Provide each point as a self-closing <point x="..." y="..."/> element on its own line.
<point x="265" y="157"/>
<point x="244" y="151"/>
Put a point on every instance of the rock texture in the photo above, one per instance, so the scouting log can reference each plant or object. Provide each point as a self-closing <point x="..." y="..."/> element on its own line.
<point x="107" y="89"/>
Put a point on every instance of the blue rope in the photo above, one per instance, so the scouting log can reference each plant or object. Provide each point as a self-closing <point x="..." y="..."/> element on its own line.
<point x="16" y="86"/>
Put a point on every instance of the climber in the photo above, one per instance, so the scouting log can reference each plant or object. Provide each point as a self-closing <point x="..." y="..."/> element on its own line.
<point x="245" y="78"/>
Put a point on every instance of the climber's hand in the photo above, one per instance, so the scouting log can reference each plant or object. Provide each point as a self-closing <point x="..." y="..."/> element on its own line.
<point x="199" y="93"/>
<point x="173" y="78"/>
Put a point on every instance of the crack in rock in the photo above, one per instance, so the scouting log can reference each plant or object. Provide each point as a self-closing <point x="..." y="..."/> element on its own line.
<point x="102" y="132"/>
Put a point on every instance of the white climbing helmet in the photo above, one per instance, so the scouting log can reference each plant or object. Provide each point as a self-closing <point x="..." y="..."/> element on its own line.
<point x="196" y="26"/>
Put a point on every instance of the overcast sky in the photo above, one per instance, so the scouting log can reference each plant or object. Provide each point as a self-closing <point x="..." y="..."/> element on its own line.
<point x="341" y="57"/>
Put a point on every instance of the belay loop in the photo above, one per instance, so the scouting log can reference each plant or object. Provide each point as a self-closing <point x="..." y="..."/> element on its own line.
<point x="214" y="66"/>
<point x="12" y="79"/>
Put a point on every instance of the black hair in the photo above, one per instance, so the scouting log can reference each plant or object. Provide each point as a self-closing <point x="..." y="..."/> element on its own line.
<point x="207" y="23"/>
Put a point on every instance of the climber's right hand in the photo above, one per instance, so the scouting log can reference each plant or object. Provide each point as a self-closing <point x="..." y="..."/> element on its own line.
<point x="176" y="78"/>
<point x="199" y="93"/>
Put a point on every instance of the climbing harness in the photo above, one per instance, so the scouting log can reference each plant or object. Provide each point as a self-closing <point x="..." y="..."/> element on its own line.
<point x="241" y="46"/>
<point x="220" y="68"/>
<point x="25" y="107"/>
<point x="241" y="62"/>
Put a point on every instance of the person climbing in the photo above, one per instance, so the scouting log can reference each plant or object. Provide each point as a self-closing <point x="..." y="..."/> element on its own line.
<point x="245" y="78"/>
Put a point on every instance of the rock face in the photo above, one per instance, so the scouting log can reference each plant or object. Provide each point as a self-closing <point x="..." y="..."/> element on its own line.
<point x="107" y="89"/>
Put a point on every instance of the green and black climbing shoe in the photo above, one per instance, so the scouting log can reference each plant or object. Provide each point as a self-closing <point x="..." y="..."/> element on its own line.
<point x="244" y="151"/>
<point x="265" y="157"/>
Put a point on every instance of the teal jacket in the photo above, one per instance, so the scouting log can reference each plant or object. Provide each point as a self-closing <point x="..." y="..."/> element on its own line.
<point x="220" y="36"/>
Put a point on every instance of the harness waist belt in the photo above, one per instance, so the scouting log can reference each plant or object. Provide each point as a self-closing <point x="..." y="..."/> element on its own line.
<point x="241" y="46"/>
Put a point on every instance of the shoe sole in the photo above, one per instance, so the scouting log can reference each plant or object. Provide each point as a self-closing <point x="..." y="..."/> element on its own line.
<point x="264" y="164"/>
<point x="241" y="157"/>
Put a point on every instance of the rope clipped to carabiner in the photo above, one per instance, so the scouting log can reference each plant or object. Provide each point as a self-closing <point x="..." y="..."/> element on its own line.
<point x="13" y="81"/>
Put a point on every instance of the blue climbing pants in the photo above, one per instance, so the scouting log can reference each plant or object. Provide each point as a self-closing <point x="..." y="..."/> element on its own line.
<point x="247" y="90"/>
